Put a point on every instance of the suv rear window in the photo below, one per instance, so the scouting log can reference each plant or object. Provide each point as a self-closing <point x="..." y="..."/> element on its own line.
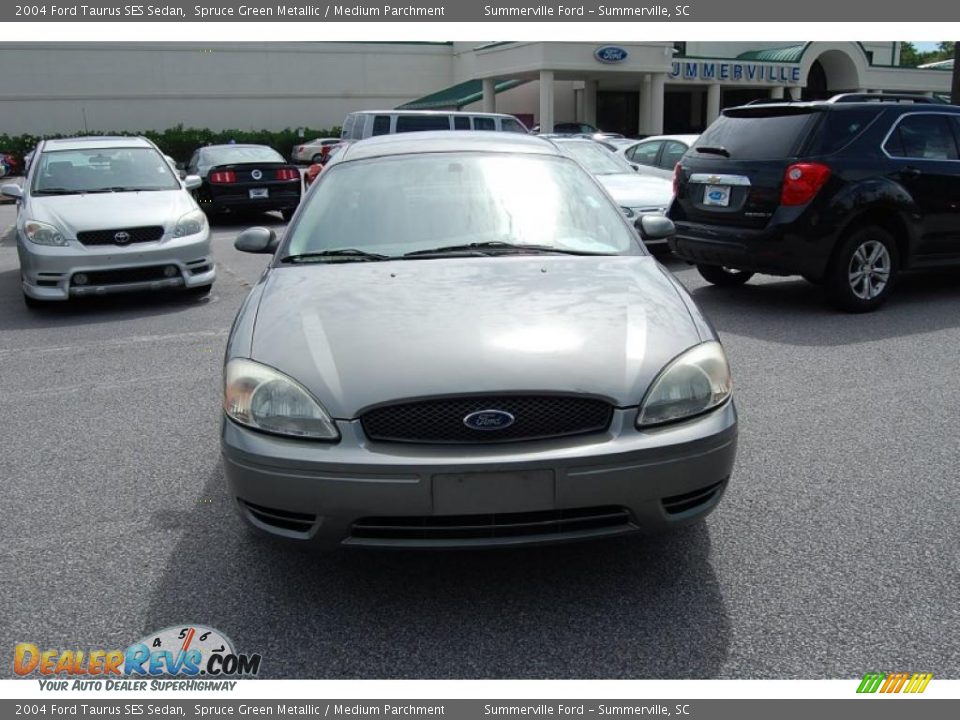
<point x="757" y="135"/>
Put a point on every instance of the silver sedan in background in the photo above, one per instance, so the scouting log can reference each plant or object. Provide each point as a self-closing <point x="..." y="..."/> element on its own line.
<point x="461" y="341"/>
<point x="101" y="215"/>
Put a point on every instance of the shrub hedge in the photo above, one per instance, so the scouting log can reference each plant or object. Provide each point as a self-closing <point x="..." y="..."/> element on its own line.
<point x="180" y="142"/>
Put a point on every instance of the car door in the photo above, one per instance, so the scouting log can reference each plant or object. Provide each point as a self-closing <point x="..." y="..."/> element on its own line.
<point x="924" y="150"/>
<point x="670" y="155"/>
<point x="644" y="153"/>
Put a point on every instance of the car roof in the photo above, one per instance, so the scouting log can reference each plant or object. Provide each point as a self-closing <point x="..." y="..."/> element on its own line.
<point x="465" y="113"/>
<point x="235" y="145"/>
<point x="685" y="139"/>
<point x="446" y="141"/>
<point x="102" y="141"/>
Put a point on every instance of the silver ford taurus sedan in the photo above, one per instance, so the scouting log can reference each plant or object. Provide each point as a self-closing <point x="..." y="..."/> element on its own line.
<point x="101" y="215"/>
<point x="461" y="341"/>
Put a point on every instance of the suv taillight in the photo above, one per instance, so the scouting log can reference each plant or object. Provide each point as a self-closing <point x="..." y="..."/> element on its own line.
<point x="223" y="177"/>
<point x="287" y="174"/>
<point x="802" y="181"/>
<point x="676" y="179"/>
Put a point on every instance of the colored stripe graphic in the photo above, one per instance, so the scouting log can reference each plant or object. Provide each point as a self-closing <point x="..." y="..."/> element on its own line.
<point x="894" y="683"/>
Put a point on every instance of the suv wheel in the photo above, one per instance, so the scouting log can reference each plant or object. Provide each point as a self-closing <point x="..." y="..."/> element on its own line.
<point x="724" y="276"/>
<point x="863" y="272"/>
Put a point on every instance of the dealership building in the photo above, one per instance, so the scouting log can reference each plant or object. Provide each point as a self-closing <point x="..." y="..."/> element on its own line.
<point x="632" y="87"/>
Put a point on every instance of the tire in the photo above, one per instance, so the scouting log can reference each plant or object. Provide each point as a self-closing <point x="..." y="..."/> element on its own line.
<point x="288" y="214"/>
<point x="724" y="277"/>
<point x="863" y="271"/>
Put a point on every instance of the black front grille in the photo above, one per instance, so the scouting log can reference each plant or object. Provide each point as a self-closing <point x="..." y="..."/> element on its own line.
<point x="505" y="525"/>
<point x="676" y="504"/>
<point x="126" y="275"/>
<point x="442" y="421"/>
<point x="150" y="233"/>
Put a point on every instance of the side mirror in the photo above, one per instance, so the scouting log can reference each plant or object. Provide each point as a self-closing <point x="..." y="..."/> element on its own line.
<point x="12" y="190"/>
<point x="257" y="240"/>
<point x="192" y="182"/>
<point x="656" y="227"/>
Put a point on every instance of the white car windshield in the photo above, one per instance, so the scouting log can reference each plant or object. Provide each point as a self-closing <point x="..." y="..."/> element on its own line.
<point x="486" y="203"/>
<point x="123" y="169"/>
<point x="594" y="158"/>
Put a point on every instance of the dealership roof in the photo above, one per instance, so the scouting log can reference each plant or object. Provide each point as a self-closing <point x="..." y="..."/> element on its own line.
<point x="790" y="54"/>
<point x="458" y="95"/>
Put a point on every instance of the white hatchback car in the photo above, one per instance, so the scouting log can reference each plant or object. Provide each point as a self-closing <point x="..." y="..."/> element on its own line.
<point x="103" y="215"/>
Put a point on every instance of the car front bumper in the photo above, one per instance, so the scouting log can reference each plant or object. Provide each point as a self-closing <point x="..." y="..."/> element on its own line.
<point x="49" y="272"/>
<point x="360" y="493"/>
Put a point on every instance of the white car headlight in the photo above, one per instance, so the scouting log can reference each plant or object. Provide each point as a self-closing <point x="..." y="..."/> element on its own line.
<point x="42" y="233"/>
<point x="693" y="383"/>
<point x="190" y="224"/>
<point x="265" y="399"/>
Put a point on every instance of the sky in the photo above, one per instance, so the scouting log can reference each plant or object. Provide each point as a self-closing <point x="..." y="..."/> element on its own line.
<point x="926" y="46"/>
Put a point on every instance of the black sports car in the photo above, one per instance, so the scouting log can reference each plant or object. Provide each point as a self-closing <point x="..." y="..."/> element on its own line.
<point x="245" y="178"/>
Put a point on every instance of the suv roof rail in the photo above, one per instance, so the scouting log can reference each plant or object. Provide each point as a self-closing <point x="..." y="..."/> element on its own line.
<point x="771" y="101"/>
<point x="883" y="97"/>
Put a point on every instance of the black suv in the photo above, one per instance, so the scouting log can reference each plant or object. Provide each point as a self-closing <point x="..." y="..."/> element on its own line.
<point x="846" y="192"/>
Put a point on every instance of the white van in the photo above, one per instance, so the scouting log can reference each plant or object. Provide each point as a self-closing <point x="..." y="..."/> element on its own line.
<point x="367" y="123"/>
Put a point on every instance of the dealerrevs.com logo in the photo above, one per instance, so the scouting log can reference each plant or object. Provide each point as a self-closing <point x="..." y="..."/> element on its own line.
<point x="184" y="656"/>
<point x="908" y="683"/>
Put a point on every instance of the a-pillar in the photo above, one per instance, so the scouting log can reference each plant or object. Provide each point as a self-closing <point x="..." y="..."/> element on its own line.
<point x="713" y="102"/>
<point x="489" y="96"/>
<point x="546" y="101"/>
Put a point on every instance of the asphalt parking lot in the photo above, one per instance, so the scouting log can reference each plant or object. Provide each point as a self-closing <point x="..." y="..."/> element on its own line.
<point x="834" y="553"/>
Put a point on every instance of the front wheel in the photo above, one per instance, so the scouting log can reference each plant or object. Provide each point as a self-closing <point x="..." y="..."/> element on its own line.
<point x="863" y="271"/>
<point x="724" y="276"/>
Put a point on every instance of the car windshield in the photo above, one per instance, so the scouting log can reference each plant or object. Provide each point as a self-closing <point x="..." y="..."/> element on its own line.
<point x="231" y="154"/>
<point x="484" y="203"/>
<point x="120" y="169"/>
<point x="595" y="158"/>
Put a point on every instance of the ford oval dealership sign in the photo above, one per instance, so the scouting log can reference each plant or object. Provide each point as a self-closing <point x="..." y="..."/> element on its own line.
<point x="610" y="54"/>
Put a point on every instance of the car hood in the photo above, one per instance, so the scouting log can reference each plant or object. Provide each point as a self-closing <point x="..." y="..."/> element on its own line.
<point x="366" y="333"/>
<point x="638" y="191"/>
<point x="103" y="211"/>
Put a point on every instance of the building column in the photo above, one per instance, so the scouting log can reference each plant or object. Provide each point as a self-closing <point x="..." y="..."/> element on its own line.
<point x="546" y="101"/>
<point x="646" y="109"/>
<point x="657" y="90"/>
<point x="578" y="113"/>
<point x="489" y="96"/>
<point x="776" y="93"/>
<point x="713" y="102"/>
<point x="590" y="102"/>
<point x="795" y="93"/>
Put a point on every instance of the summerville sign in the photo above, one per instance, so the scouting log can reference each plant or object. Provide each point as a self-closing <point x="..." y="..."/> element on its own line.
<point x="733" y="71"/>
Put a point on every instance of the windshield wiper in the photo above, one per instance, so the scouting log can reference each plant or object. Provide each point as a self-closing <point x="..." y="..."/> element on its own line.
<point x="713" y="150"/>
<point x="56" y="191"/>
<point x="495" y="247"/>
<point x="120" y="188"/>
<point x="348" y="254"/>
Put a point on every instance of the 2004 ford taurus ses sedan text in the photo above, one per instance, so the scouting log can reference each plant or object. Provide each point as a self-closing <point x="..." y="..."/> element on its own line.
<point x="461" y="341"/>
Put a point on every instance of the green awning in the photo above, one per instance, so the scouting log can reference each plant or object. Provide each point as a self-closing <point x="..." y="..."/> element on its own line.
<point x="457" y="96"/>
<point x="790" y="54"/>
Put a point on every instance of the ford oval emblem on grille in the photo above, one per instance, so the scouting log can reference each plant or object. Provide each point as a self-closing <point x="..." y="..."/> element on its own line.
<point x="256" y="174"/>
<point x="121" y="238"/>
<point x="488" y="420"/>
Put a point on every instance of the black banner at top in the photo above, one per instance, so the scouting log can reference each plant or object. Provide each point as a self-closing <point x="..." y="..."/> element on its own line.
<point x="484" y="11"/>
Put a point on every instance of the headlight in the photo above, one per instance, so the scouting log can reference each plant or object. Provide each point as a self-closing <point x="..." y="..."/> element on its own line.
<point x="265" y="399"/>
<point x="42" y="234"/>
<point x="691" y="384"/>
<point x="626" y="211"/>
<point x="190" y="224"/>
